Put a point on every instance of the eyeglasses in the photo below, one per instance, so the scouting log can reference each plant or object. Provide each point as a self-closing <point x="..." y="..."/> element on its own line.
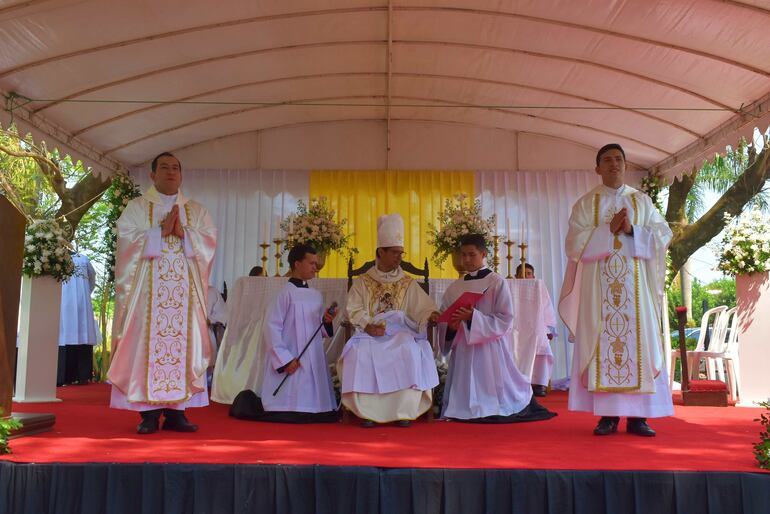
<point x="394" y="252"/>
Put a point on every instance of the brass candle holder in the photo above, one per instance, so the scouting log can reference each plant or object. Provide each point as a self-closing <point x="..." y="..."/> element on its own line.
<point x="509" y="244"/>
<point x="264" y="247"/>
<point x="523" y="271"/>
<point x="495" y="256"/>
<point x="278" y="255"/>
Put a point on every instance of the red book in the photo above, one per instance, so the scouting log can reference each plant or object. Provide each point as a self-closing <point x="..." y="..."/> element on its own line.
<point x="468" y="299"/>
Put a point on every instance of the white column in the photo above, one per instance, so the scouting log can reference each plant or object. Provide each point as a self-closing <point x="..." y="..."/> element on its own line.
<point x="38" y="340"/>
<point x="753" y="295"/>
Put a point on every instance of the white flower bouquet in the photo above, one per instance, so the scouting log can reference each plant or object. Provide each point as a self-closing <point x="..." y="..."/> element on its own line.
<point x="121" y="190"/>
<point x="745" y="246"/>
<point x="46" y="251"/>
<point x="459" y="217"/>
<point x="315" y="225"/>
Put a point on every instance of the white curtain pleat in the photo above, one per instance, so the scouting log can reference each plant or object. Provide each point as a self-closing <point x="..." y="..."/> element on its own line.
<point x="246" y="206"/>
<point x="542" y="202"/>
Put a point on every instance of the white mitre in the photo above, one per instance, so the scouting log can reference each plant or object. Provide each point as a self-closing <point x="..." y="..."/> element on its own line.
<point x="390" y="231"/>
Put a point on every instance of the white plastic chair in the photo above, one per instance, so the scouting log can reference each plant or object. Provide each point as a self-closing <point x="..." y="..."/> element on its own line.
<point x="723" y="352"/>
<point x="717" y="313"/>
<point x="716" y="349"/>
<point x="731" y="360"/>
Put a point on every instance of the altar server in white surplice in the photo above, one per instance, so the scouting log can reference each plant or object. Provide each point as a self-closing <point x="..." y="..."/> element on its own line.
<point x="483" y="383"/>
<point x="160" y="339"/>
<point x="77" y="327"/>
<point x="291" y="321"/>
<point x="611" y="301"/>
<point x="387" y="368"/>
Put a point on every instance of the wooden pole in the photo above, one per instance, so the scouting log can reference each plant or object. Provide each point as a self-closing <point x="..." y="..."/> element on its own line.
<point x="681" y="316"/>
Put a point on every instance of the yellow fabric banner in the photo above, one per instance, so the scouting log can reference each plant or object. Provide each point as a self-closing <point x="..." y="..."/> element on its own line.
<point x="362" y="196"/>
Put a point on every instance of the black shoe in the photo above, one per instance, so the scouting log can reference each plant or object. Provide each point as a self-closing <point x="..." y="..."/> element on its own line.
<point x="176" y="421"/>
<point x="403" y="423"/>
<point x="607" y="425"/>
<point x="367" y="423"/>
<point x="150" y="421"/>
<point x="539" y="390"/>
<point x="640" y="427"/>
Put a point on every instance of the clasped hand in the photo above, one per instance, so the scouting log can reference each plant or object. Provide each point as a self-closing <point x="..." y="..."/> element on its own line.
<point x="620" y="222"/>
<point x="171" y="224"/>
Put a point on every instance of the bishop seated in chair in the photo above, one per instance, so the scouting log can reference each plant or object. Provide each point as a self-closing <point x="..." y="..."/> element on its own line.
<point x="387" y="369"/>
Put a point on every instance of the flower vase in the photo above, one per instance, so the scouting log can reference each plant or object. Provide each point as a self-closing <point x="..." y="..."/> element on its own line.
<point x="321" y="259"/>
<point x="753" y="298"/>
<point x="457" y="262"/>
<point x="38" y="339"/>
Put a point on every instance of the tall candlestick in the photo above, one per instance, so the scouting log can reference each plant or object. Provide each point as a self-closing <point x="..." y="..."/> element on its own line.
<point x="278" y="255"/>
<point x="509" y="244"/>
<point x="496" y="257"/>
<point x="522" y="272"/>
<point x="264" y="247"/>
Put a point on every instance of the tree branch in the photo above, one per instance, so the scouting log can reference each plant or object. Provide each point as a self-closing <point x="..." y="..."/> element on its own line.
<point x="689" y="238"/>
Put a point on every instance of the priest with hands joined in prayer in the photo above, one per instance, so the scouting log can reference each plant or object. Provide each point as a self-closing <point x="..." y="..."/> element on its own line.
<point x="611" y="301"/>
<point x="160" y="339"/>
<point x="483" y="384"/>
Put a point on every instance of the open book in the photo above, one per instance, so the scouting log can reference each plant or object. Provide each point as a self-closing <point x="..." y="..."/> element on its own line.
<point x="468" y="299"/>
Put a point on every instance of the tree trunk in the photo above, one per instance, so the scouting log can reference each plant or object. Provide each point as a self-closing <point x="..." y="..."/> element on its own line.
<point x="76" y="201"/>
<point x="686" y="281"/>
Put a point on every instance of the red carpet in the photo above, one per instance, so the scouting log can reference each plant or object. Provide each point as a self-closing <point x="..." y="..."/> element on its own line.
<point x="695" y="439"/>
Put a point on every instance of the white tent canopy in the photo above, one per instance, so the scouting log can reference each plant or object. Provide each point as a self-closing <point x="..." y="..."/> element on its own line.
<point x="473" y="84"/>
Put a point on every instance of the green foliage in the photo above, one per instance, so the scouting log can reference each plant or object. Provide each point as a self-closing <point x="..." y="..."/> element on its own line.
<point x="122" y="189"/>
<point x="22" y="181"/>
<point x="762" y="448"/>
<point x="7" y="425"/>
<point x="718" y="292"/>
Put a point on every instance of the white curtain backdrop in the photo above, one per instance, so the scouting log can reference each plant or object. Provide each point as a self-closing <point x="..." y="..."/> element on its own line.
<point x="246" y="206"/>
<point x="542" y="201"/>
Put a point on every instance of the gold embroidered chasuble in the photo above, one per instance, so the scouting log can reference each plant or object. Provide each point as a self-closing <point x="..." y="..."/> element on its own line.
<point x="377" y="291"/>
<point x="613" y="289"/>
<point x="160" y="337"/>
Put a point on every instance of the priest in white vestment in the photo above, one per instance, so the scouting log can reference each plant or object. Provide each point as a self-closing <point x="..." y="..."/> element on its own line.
<point x="483" y="384"/>
<point x="611" y="302"/>
<point x="297" y="387"/>
<point x="387" y="368"/>
<point x="160" y="340"/>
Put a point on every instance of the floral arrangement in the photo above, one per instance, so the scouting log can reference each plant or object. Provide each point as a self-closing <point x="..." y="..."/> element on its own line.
<point x="745" y="246"/>
<point x="7" y="425"/>
<point x="315" y="225"/>
<point x="456" y="220"/>
<point x="46" y="251"/>
<point x="121" y="190"/>
<point x="651" y="186"/>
